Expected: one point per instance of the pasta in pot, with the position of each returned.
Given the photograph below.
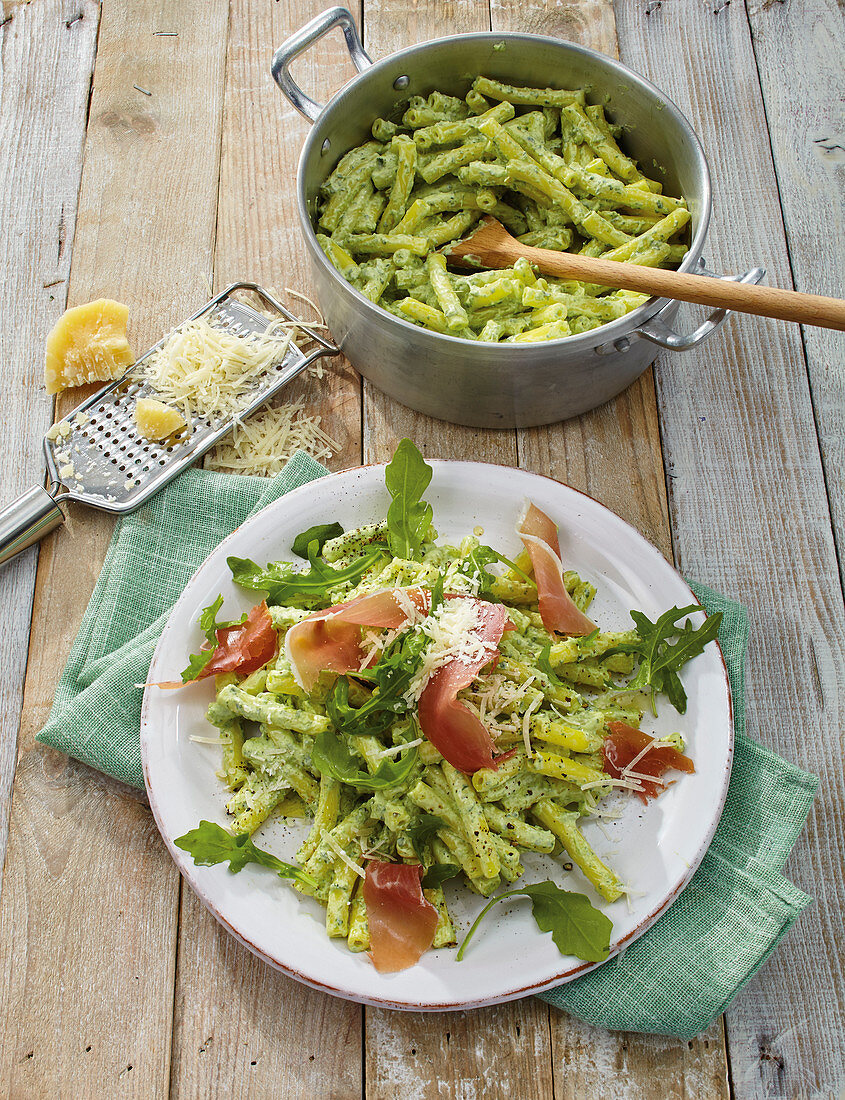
(542, 161)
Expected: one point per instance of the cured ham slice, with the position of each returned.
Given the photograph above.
(401, 921)
(557, 608)
(452, 728)
(628, 755)
(330, 640)
(246, 647)
(242, 648)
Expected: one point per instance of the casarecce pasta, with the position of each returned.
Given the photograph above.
(541, 160)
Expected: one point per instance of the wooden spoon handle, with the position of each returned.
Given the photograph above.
(766, 301)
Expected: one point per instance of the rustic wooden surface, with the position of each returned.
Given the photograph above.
(113, 979)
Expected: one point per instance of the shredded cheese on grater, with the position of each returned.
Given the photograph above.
(210, 372)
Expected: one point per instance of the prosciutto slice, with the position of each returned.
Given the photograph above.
(460, 736)
(401, 921)
(243, 648)
(330, 640)
(246, 647)
(557, 608)
(624, 745)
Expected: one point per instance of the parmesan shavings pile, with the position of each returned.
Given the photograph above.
(453, 638)
(496, 695)
(262, 444)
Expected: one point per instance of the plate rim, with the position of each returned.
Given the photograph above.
(186, 868)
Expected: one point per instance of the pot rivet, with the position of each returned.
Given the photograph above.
(324, 148)
(401, 82)
(622, 344)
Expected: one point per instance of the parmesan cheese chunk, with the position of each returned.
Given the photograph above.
(87, 344)
(156, 420)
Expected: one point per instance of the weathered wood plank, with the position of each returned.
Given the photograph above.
(503, 1050)
(271, 1038)
(807, 131)
(750, 517)
(243, 1029)
(88, 921)
(258, 234)
(41, 134)
(614, 454)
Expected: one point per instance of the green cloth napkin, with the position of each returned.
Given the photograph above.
(96, 713)
(673, 980)
(688, 967)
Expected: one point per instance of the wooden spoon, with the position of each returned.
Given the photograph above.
(490, 245)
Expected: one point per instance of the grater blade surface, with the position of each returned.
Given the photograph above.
(104, 461)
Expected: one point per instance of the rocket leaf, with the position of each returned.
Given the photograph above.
(210, 844)
(659, 659)
(407, 477)
(577, 927)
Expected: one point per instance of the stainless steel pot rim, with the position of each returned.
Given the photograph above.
(587, 341)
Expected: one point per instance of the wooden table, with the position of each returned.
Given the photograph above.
(144, 155)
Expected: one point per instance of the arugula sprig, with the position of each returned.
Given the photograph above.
(332, 757)
(577, 927)
(407, 477)
(209, 625)
(391, 677)
(320, 533)
(438, 873)
(284, 584)
(543, 661)
(210, 844)
(659, 659)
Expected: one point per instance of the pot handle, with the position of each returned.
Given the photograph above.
(300, 41)
(658, 332)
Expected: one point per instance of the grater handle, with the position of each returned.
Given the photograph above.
(27, 520)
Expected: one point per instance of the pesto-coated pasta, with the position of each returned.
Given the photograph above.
(460, 729)
(542, 161)
(530, 802)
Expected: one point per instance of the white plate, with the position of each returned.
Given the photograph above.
(655, 849)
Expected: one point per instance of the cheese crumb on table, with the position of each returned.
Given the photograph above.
(263, 444)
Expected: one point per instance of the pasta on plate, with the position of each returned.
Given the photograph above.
(437, 710)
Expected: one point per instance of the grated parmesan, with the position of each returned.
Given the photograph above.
(341, 855)
(452, 632)
(396, 749)
(629, 767)
(262, 444)
(639, 777)
(630, 784)
(210, 372)
(526, 729)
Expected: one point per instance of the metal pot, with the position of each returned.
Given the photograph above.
(463, 381)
